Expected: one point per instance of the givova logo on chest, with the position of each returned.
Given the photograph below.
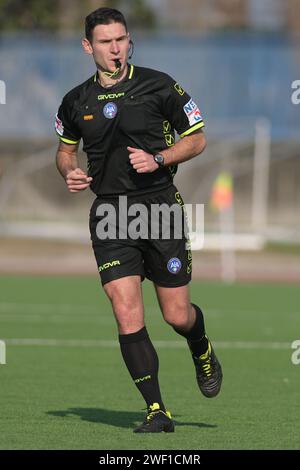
(111, 96)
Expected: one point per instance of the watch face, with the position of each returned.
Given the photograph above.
(159, 159)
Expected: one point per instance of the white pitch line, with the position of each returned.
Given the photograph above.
(72, 309)
(6, 307)
(160, 344)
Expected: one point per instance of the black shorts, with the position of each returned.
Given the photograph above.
(133, 246)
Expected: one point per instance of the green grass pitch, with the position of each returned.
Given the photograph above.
(75, 392)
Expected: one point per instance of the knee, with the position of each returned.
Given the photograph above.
(178, 316)
(127, 304)
(124, 307)
(128, 315)
(123, 304)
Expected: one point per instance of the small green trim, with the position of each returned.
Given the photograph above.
(68, 141)
(131, 72)
(192, 129)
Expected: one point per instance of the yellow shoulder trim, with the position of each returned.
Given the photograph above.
(68, 141)
(131, 72)
(192, 129)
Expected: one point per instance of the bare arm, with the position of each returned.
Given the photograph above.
(66, 158)
(187, 148)
(67, 164)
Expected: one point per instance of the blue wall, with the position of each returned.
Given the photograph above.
(235, 78)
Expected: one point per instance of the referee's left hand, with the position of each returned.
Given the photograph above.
(141, 161)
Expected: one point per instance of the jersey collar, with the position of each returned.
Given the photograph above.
(128, 76)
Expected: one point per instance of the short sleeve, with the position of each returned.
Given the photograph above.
(64, 124)
(181, 110)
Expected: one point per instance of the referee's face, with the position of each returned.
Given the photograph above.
(109, 42)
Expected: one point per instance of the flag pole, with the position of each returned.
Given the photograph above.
(222, 201)
(228, 255)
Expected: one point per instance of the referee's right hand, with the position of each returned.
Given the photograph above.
(77, 180)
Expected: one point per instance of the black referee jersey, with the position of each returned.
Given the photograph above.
(141, 111)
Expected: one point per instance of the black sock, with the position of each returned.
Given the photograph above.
(196, 338)
(142, 362)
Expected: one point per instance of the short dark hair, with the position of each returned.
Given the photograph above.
(102, 16)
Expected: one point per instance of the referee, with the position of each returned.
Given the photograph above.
(127, 117)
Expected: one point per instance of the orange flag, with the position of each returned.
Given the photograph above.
(222, 192)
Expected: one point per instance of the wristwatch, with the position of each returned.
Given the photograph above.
(159, 159)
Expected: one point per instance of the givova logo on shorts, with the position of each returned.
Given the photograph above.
(110, 264)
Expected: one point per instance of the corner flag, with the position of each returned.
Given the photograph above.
(222, 192)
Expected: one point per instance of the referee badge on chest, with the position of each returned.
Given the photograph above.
(110, 110)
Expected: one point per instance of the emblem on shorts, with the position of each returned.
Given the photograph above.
(174, 265)
(110, 110)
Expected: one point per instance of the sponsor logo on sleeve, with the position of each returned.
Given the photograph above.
(193, 112)
(59, 126)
